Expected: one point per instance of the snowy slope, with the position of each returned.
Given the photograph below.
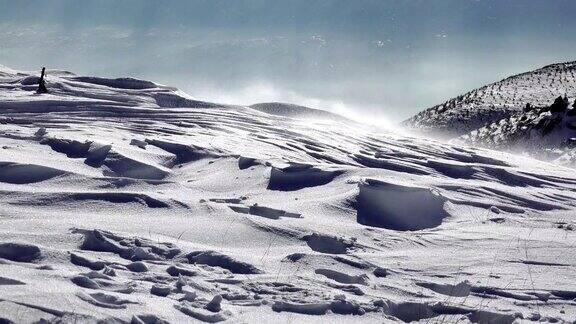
(130, 201)
(540, 132)
(496, 101)
(291, 110)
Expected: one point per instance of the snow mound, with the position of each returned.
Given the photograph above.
(297, 177)
(246, 162)
(134, 249)
(295, 111)
(120, 83)
(98, 155)
(328, 244)
(343, 277)
(26, 173)
(263, 211)
(184, 153)
(461, 289)
(175, 100)
(215, 259)
(19, 252)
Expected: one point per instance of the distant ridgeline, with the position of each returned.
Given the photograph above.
(528, 112)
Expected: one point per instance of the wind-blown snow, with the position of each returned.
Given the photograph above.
(125, 200)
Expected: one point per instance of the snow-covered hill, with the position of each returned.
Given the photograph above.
(128, 201)
(545, 132)
(497, 101)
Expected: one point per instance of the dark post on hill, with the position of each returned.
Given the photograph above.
(41, 83)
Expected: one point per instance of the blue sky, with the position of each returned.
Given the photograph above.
(373, 59)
